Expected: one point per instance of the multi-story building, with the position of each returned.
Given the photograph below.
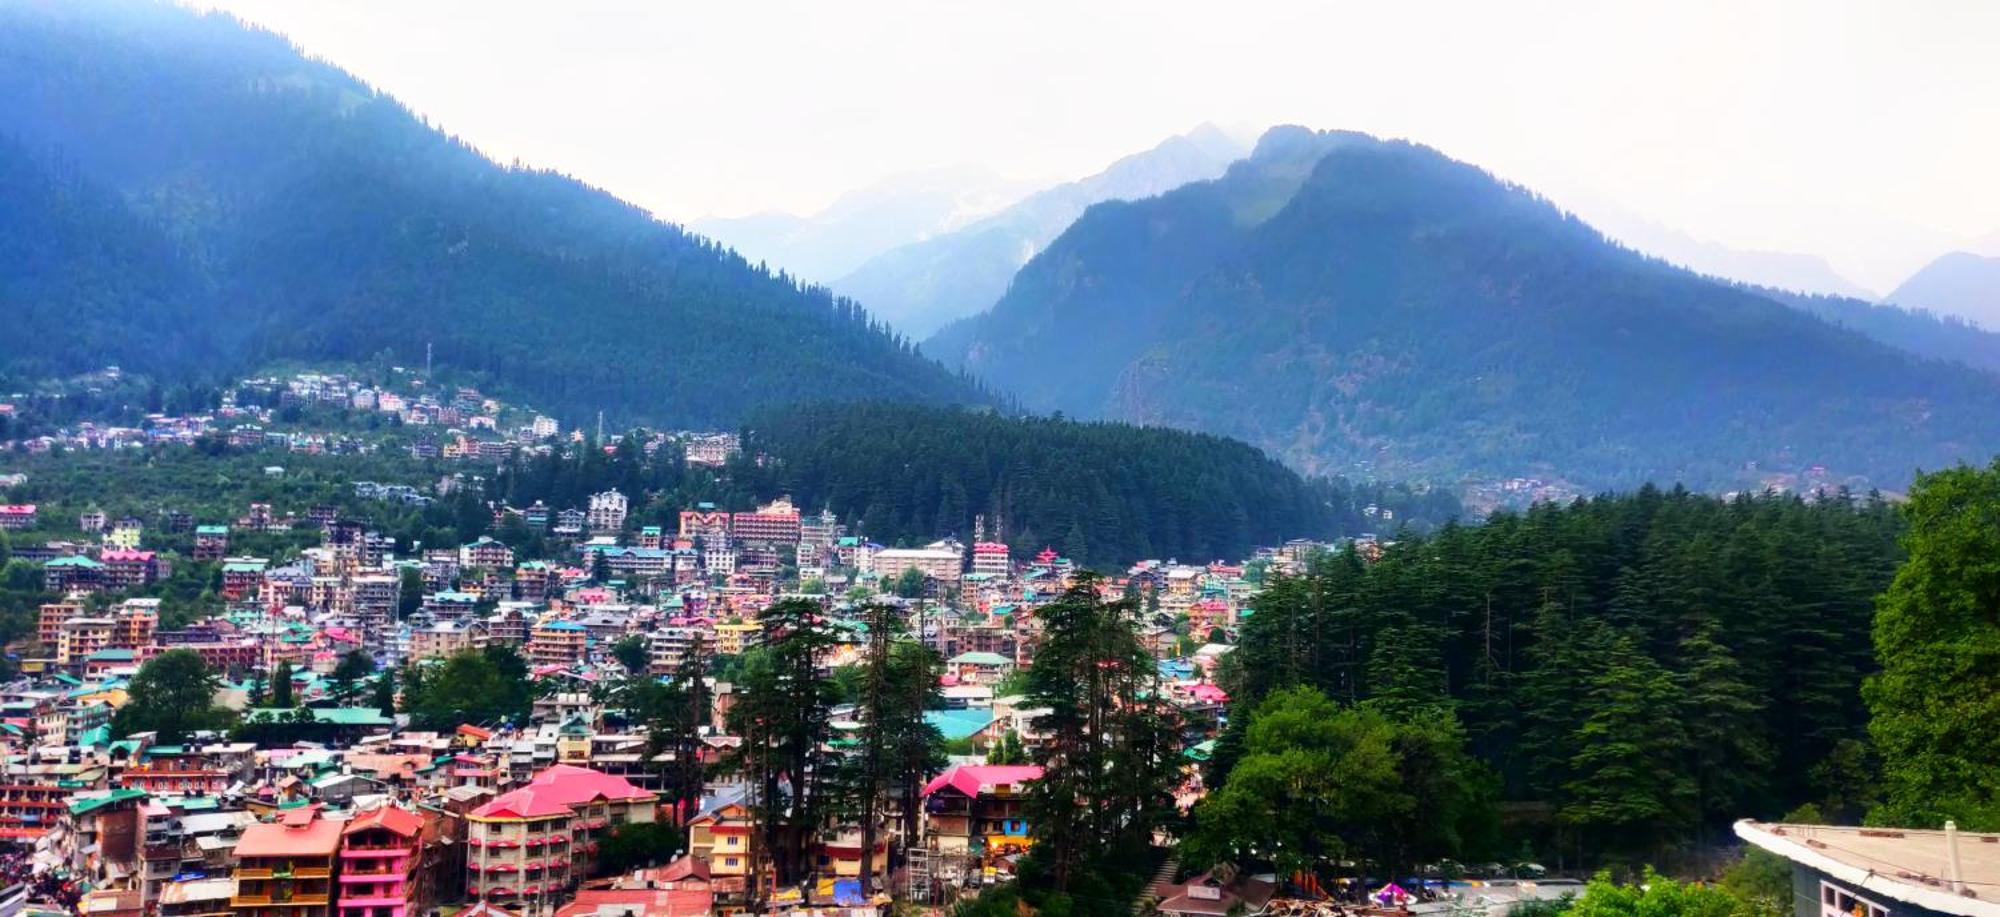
(486, 554)
(990, 557)
(774, 523)
(17, 516)
(445, 639)
(719, 834)
(134, 622)
(705, 523)
(381, 850)
(211, 542)
(667, 649)
(242, 577)
(80, 637)
(607, 513)
(532, 581)
(286, 869)
(558, 643)
(941, 561)
(75, 573)
(976, 810)
(53, 614)
(529, 847)
(130, 568)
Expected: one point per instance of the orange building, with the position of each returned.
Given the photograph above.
(286, 869)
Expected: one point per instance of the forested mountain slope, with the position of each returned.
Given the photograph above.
(924, 285)
(1359, 305)
(1101, 493)
(248, 204)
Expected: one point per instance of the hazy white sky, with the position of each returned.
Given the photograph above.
(1868, 133)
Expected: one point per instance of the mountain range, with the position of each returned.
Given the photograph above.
(1958, 283)
(863, 223)
(193, 198)
(1362, 306)
(923, 285)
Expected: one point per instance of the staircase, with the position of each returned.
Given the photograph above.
(1163, 876)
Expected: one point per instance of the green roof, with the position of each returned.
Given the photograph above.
(982, 659)
(211, 530)
(80, 806)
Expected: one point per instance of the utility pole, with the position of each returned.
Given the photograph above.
(427, 359)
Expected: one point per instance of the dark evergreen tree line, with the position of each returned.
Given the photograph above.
(1637, 670)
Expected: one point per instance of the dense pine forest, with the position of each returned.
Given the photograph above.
(194, 199)
(1101, 493)
(1634, 672)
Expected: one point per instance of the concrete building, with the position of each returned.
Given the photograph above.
(1884, 872)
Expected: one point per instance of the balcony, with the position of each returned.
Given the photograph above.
(312, 872)
(242, 900)
(248, 873)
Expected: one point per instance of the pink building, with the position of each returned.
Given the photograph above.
(379, 856)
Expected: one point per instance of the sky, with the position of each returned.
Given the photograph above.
(1866, 133)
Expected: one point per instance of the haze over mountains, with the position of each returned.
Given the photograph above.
(194, 199)
(1358, 305)
(866, 222)
(920, 286)
(1958, 283)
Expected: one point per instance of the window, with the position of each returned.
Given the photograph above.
(1835, 901)
(731, 861)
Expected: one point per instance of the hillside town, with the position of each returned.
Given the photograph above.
(327, 797)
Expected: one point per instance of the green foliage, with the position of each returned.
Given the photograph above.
(1658, 896)
(1318, 782)
(1111, 754)
(638, 844)
(1762, 881)
(782, 710)
(354, 665)
(1100, 493)
(632, 653)
(173, 695)
(1935, 706)
(1007, 750)
(1353, 303)
(281, 687)
(1643, 668)
(911, 584)
(474, 686)
(233, 224)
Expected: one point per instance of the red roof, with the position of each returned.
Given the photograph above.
(467, 729)
(647, 902)
(395, 818)
(558, 789)
(115, 555)
(968, 778)
(17, 509)
(318, 837)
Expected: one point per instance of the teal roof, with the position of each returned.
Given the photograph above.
(211, 530)
(329, 716)
(80, 806)
(981, 659)
(76, 560)
(958, 724)
(111, 656)
(94, 736)
(243, 566)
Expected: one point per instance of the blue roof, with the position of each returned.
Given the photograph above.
(958, 724)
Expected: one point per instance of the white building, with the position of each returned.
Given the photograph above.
(607, 513)
(941, 561)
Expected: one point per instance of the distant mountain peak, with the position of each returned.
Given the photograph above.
(1956, 283)
(1374, 307)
